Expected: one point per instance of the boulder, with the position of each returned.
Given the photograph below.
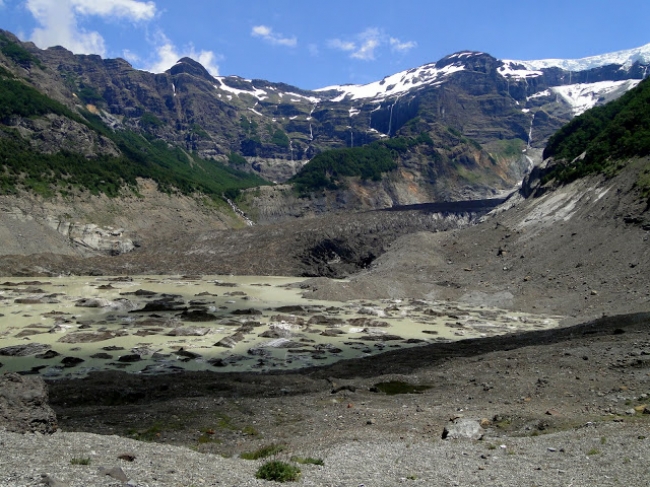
(462, 428)
(23, 405)
(24, 350)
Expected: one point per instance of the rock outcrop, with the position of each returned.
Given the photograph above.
(24, 405)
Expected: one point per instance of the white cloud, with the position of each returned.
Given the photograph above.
(130, 56)
(398, 46)
(58, 21)
(168, 55)
(368, 43)
(341, 45)
(266, 33)
(370, 39)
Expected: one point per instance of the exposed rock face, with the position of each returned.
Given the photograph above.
(111, 241)
(23, 405)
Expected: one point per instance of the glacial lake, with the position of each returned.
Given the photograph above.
(69, 326)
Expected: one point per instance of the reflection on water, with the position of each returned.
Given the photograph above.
(159, 324)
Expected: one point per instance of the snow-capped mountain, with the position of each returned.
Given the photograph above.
(496, 106)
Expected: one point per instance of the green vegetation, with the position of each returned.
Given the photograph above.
(80, 461)
(172, 168)
(607, 135)
(329, 168)
(308, 461)
(278, 471)
(593, 451)
(236, 159)
(18, 54)
(89, 95)
(397, 387)
(19, 99)
(279, 138)
(200, 132)
(150, 121)
(264, 452)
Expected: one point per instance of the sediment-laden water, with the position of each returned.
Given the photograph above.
(70, 326)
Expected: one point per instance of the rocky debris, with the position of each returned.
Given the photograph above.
(197, 316)
(189, 332)
(47, 355)
(71, 361)
(129, 358)
(187, 354)
(91, 336)
(247, 312)
(462, 428)
(24, 350)
(24, 405)
(230, 341)
(102, 356)
(163, 304)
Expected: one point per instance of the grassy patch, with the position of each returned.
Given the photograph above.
(278, 471)
(308, 461)
(593, 451)
(264, 452)
(80, 461)
(397, 387)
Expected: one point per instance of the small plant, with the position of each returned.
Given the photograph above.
(264, 452)
(250, 431)
(593, 451)
(308, 461)
(80, 461)
(278, 471)
(603, 440)
(492, 447)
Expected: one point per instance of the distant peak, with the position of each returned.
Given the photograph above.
(189, 66)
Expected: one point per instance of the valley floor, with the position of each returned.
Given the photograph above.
(559, 407)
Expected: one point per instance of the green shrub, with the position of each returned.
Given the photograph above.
(278, 471)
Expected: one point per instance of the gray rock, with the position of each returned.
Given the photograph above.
(462, 428)
(24, 350)
(52, 482)
(23, 405)
(116, 472)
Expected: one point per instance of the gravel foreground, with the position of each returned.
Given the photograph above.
(594, 454)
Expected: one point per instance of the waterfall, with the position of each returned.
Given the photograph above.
(311, 133)
(530, 132)
(239, 212)
(390, 120)
(351, 138)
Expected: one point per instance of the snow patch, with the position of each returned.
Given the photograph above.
(511, 70)
(625, 58)
(396, 84)
(583, 96)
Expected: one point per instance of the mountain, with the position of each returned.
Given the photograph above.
(481, 122)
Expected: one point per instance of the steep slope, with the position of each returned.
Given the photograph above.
(274, 128)
(575, 241)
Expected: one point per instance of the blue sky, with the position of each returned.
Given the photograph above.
(313, 44)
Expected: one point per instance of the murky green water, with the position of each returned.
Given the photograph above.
(158, 324)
